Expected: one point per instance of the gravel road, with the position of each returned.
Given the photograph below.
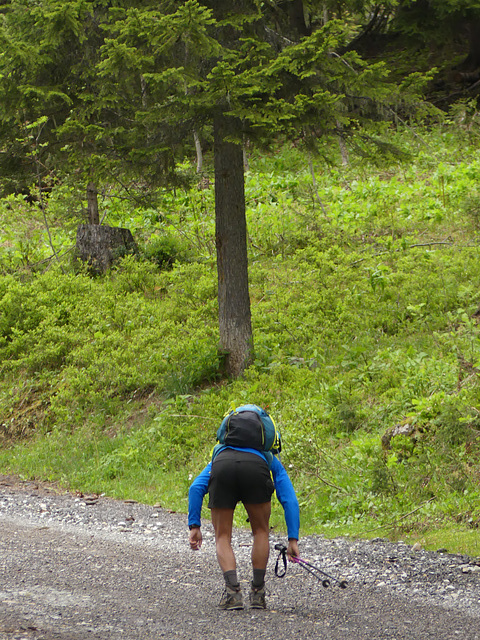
(75, 567)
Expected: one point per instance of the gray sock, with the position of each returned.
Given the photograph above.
(231, 579)
(258, 578)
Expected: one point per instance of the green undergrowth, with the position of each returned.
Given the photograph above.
(364, 288)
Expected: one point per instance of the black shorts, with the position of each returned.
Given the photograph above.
(238, 476)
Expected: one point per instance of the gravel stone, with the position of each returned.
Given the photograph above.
(75, 567)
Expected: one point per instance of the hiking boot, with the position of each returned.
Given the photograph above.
(257, 597)
(231, 599)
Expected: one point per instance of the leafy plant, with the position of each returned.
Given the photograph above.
(364, 319)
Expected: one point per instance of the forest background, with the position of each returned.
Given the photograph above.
(360, 167)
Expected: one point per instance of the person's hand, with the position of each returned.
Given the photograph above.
(195, 538)
(292, 549)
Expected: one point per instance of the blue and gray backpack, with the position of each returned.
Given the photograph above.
(249, 427)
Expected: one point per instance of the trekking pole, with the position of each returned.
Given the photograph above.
(315, 571)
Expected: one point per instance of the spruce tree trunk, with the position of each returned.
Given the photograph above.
(297, 17)
(473, 59)
(231, 243)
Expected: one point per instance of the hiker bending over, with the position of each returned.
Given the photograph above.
(244, 468)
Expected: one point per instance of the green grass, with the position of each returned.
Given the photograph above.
(364, 317)
(452, 538)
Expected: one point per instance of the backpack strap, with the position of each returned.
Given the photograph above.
(217, 449)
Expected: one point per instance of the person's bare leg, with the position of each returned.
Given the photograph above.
(222, 520)
(259, 516)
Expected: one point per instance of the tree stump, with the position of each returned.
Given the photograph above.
(99, 245)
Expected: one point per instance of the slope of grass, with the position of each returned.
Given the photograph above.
(364, 292)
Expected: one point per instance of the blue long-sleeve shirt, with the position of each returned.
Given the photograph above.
(283, 488)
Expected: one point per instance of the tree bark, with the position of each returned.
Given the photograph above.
(473, 59)
(231, 243)
(296, 14)
(92, 204)
(198, 149)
